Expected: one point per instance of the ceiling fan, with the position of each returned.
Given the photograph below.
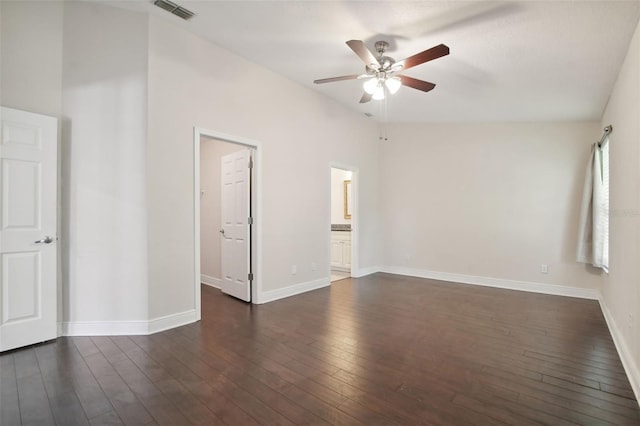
(382, 72)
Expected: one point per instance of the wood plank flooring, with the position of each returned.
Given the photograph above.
(379, 350)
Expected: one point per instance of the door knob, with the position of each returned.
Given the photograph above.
(222, 231)
(45, 240)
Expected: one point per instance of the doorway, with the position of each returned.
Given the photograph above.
(342, 215)
(215, 156)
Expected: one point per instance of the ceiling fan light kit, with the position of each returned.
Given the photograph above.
(376, 87)
(393, 84)
(370, 86)
(383, 72)
(379, 92)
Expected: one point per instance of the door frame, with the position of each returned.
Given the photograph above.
(256, 200)
(355, 216)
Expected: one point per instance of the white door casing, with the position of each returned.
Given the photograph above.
(235, 212)
(28, 224)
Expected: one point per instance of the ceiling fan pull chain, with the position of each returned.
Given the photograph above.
(386, 120)
(382, 127)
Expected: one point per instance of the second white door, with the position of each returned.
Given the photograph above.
(236, 217)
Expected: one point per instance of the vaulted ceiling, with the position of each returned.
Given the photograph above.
(509, 61)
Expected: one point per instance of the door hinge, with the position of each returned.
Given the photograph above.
(250, 221)
(251, 162)
(250, 276)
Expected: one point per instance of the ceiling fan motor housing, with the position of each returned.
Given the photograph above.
(381, 46)
(386, 62)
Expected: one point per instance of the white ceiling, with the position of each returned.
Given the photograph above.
(509, 61)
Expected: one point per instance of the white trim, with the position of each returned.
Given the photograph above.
(210, 281)
(171, 321)
(196, 222)
(626, 356)
(558, 290)
(119, 328)
(292, 290)
(105, 328)
(256, 291)
(358, 273)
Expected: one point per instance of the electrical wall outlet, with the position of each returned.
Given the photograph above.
(544, 268)
(294, 269)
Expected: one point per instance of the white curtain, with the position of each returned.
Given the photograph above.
(593, 234)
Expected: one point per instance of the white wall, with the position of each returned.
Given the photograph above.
(31, 63)
(211, 153)
(104, 89)
(621, 289)
(486, 200)
(127, 232)
(338, 176)
(31, 56)
(193, 82)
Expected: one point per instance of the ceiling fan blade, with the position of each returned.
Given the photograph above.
(344, 77)
(365, 54)
(365, 98)
(414, 83)
(425, 56)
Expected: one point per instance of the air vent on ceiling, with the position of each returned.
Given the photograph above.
(170, 6)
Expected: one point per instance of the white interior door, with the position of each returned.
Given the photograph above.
(236, 211)
(28, 222)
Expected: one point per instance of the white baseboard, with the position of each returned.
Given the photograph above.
(630, 366)
(172, 321)
(292, 290)
(104, 328)
(119, 328)
(361, 272)
(210, 281)
(558, 290)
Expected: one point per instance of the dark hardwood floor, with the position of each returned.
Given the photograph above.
(378, 350)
